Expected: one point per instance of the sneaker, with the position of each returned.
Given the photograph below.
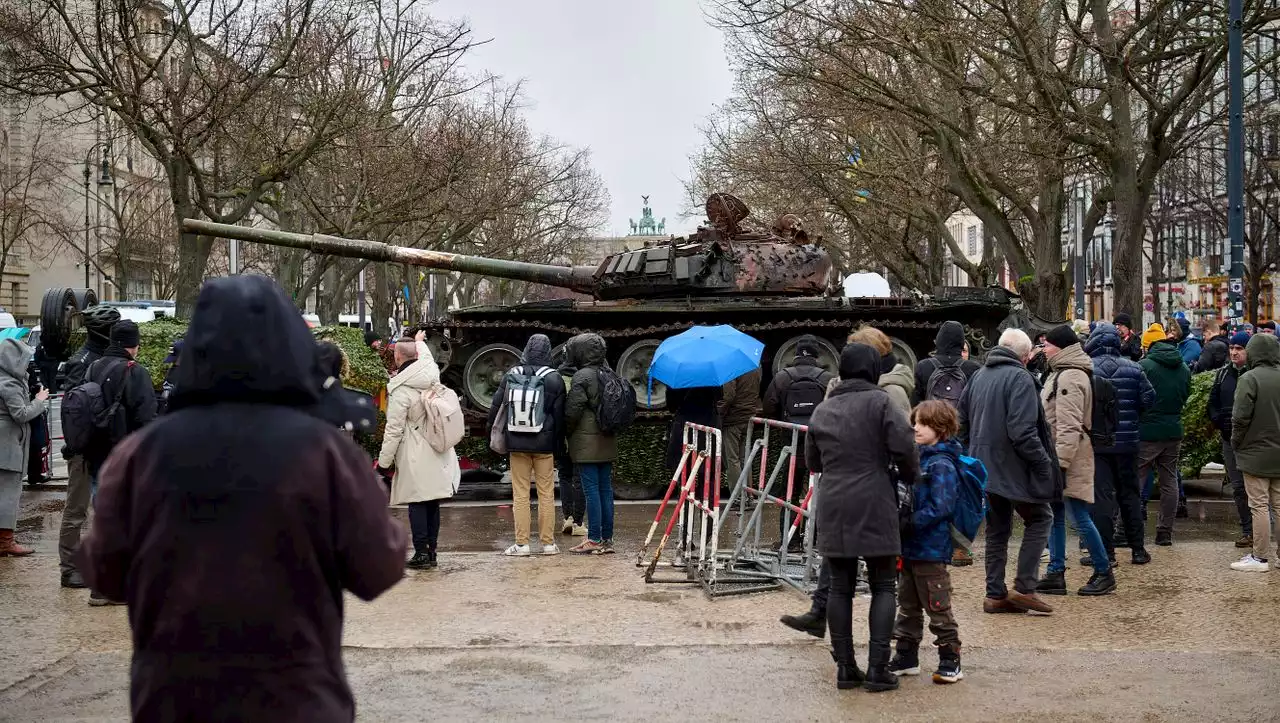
(1053, 583)
(961, 558)
(1099, 584)
(97, 600)
(579, 531)
(567, 527)
(905, 662)
(1245, 542)
(1164, 538)
(517, 551)
(948, 668)
(607, 547)
(1249, 563)
(813, 623)
(588, 547)
(551, 549)
(1141, 556)
(420, 561)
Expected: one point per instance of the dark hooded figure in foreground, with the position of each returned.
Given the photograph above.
(233, 525)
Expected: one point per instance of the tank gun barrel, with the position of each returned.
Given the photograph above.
(577, 278)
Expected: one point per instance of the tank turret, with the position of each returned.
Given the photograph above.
(719, 259)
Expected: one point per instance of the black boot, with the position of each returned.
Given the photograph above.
(813, 622)
(1141, 556)
(419, 561)
(848, 675)
(1099, 584)
(431, 558)
(1053, 583)
(879, 679)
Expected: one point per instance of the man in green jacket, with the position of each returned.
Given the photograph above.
(1161, 429)
(739, 402)
(1255, 434)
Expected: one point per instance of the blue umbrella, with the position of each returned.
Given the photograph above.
(705, 356)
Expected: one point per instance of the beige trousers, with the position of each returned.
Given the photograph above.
(539, 467)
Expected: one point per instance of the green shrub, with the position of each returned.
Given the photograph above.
(1201, 443)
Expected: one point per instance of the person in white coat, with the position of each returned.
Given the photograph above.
(423, 476)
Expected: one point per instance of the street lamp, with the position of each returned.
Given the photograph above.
(104, 179)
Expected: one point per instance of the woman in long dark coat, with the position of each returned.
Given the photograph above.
(854, 437)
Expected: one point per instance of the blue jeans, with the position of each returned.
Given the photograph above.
(597, 487)
(1079, 511)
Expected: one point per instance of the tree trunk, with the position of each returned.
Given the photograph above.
(193, 249)
(380, 300)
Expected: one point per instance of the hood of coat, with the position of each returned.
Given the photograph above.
(585, 350)
(1104, 340)
(246, 343)
(537, 351)
(421, 374)
(946, 446)
(901, 376)
(1263, 350)
(950, 339)
(1072, 357)
(14, 356)
(1165, 354)
(1002, 356)
(859, 361)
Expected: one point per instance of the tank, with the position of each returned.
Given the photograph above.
(775, 284)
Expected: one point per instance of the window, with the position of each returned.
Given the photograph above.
(138, 286)
(13, 294)
(973, 240)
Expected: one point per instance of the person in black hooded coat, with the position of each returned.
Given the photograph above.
(948, 345)
(232, 525)
(854, 436)
(695, 404)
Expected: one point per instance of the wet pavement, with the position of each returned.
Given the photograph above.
(486, 638)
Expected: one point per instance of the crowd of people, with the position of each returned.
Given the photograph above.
(247, 448)
(1067, 429)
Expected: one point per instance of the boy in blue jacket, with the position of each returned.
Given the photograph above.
(925, 582)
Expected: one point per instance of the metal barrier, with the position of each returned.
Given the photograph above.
(746, 564)
(701, 458)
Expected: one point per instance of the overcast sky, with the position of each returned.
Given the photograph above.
(630, 80)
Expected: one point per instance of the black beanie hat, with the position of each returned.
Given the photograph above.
(125, 334)
(1062, 336)
(1123, 318)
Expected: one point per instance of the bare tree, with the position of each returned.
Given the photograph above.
(206, 87)
(31, 205)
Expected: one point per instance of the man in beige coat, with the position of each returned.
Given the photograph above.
(423, 476)
(1068, 407)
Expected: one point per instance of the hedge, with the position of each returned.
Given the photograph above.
(1201, 443)
(365, 371)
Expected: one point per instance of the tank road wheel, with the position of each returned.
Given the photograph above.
(58, 319)
(828, 355)
(902, 350)
(85, 298)
(441, 349)
(484, 371)
(633, 366)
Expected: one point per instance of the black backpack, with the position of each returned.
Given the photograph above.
(86, 414)
(617, 409)
(803, 395)
(1105, 413)
(947, 383)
